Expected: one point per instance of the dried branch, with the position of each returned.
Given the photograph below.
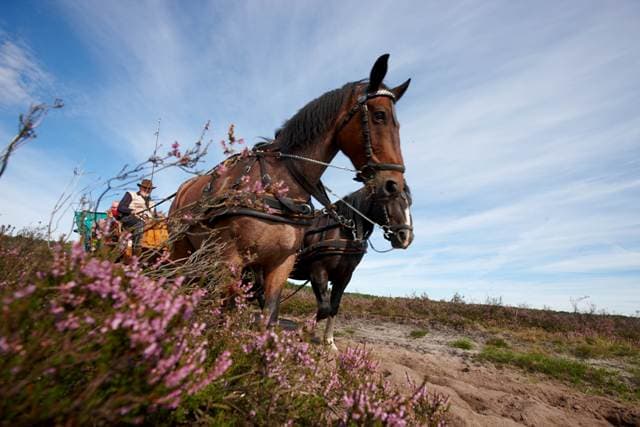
(186, 161)
(27, 129)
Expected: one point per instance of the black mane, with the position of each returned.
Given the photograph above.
(358, 199)
(313, 119)
(362, 201)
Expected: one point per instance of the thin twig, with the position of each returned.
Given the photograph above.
(27, 129)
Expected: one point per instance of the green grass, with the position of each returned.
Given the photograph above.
(603, 349)
(589, 378)
(418, 333)
(463, 343)
(497, 342)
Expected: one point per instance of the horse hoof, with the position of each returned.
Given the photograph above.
(331, 344)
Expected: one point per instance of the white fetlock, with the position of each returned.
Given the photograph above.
(331, 344)
(328, 334)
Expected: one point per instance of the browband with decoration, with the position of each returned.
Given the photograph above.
(379, 92)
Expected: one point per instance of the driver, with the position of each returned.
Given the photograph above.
(134, 210)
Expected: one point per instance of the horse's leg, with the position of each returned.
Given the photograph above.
(274, 280)
(181, 249)
(320, 284)
(319, 279)
(328, 333)
(255, 274)
(337, 290)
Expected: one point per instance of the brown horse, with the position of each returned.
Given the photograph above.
(334, 245)
(296, 159)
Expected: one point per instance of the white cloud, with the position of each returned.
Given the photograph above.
(21, 76)
(618, 260)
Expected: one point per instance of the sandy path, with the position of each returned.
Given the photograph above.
(481, 394)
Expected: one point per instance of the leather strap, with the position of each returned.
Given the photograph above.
(256, 214)
(318, 191)
(334, 247)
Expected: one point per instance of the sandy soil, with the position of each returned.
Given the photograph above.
(481, 394)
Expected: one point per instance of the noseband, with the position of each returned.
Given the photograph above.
(368, 171)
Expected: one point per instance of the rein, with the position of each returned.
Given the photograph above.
(295, 292)
(377, 250)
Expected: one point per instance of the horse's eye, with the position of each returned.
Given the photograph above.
(379, 116)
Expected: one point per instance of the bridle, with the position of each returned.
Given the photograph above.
(365, 174)
(368, 171)
(388, 229)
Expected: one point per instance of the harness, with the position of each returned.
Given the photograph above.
(356, 246)
(272, 207)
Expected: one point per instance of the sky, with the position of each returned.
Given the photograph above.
(520, 130)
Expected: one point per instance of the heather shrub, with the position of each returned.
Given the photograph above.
(278, 378)
(85, 340)
(368, 399)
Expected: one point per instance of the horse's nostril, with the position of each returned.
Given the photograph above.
(402, 234)
(391, 187)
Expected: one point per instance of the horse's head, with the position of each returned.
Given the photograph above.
(369, 134)
(393, 213)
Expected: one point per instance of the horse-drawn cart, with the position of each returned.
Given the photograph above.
(85, 224)
(155, 236)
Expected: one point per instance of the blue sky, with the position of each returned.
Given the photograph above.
(520, 131)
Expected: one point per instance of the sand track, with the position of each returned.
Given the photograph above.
(481, 394)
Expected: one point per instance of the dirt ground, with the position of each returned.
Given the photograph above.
(480, 393)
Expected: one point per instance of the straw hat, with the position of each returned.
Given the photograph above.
(146, 184)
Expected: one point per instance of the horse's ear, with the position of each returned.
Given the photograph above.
(378, 72)
(400, 90)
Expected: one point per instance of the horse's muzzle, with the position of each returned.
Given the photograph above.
(400, 236)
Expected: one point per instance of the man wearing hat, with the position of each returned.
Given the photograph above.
(134, 209)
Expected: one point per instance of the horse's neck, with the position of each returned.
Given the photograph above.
(324, 151)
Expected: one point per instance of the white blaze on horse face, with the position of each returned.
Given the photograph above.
(409, 223)
(407, 217)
